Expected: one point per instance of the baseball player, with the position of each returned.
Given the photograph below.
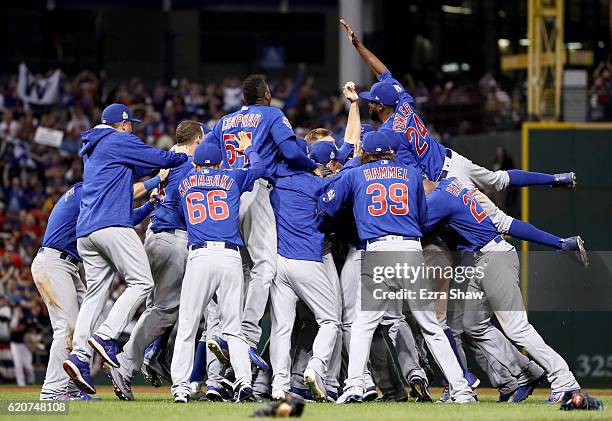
(274, 140)
(301, 274)
(453, 202)
(390, 104)
(166, 248)
(210, 200)
(107, 242)
(389, 205)
(56, 275)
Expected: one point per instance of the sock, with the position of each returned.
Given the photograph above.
(526, 231)
(519, 178)
(453, 344)
(199, 365)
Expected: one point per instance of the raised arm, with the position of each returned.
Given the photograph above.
(376, 66)
(352, 134)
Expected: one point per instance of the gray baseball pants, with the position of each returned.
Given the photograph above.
(106, 252)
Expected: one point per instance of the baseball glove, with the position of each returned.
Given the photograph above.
(579, 400)
(292, 406)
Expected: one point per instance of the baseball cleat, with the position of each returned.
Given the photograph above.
(156, 373)
(181, 398)
(121, 385)
(523, 392)
(78, 396)
(215, 394)
(505, 397)
(418, 389)
(245, 394)
(278, 395)
(576, 245)
(465, 400)
(353, 394)
(556, 397)
(445, 397)
(256, 359)
(107, 348)
(392, 397)
(332, 396)
(195, 392)
(370, 394)
(565, 180)
(471, 379)
(305, 394)
(218, 346)
(79, 372)
(316, 385)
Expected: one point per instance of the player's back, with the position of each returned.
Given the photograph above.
(60, 233)
(167, 213)
(294, 201)
(388, 199)
(210, 201)
(267, 126)
(464, 213)
(416, 145)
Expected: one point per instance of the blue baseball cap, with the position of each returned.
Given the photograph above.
(382, 93)
(117, 113)
(323, 151)
(365, 128)
(378, 141)
(207, 153)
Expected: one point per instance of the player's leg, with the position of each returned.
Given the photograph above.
(55, 280)
(333, 371)
(407, 353)
(504, 294)
(197, 290)
(315, 289)
(230, 295)
(167, 254)
(258, 229)
(123, 248)
(283, 302)
(349, 284)
(484, 178)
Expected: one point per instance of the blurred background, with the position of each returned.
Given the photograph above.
(465, 62)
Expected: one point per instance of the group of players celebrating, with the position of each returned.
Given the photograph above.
(250, 189)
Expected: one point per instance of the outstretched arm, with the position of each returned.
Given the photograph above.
(352, 134)
(376, 66)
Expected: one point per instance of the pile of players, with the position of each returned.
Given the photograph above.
(291, 211)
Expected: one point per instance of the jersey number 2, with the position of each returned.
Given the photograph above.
(468, 198)
(393, 199)
(197, 206)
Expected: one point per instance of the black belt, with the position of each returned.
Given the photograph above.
(168, 230)
(444, 173)
(375, 240)
(205, 244)
(63, 255)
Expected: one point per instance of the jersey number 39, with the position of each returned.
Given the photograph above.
(213, 206)
(393, 199)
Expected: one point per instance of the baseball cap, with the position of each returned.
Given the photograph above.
(382, 93)
(116, 113)
(378, 141)
(207, 153)
(323, 151)
(365, 128)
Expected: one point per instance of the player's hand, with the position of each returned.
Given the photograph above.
(154, 197)
(163, 174)
(180, 149)
(349, 92)
(351, 34)
(244, 141)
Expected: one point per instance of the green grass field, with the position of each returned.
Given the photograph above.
(157, 405)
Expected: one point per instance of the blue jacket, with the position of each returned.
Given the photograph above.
(112, 160)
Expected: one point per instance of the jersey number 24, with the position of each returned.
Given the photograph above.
(393, 199)
(212, 205)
